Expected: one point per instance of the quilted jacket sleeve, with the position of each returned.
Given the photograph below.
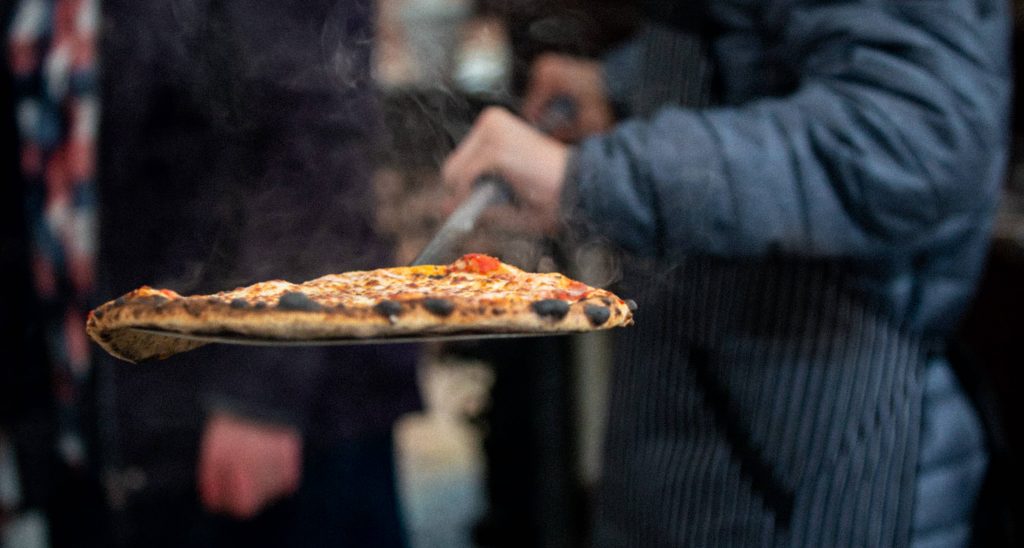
(893, 141)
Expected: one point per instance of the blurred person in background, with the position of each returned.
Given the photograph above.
(201, 146)
(806, 190)
(48, 200)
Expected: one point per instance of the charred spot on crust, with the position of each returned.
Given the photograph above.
(551, 308)
(120, 300)
(297, 300)
(388, 309)
(239, 302)
(98, 314)
(597, 314)
(497, 311)
(606, 301)
(212, 300)
(631, 304)
(437, 276)
(260, 305)
(152, 300)
(439, 307)
(193, 307)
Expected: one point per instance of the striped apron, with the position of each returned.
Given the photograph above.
(769, 403)
(759, 404)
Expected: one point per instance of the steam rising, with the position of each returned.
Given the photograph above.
(283, 188)
(598, 264)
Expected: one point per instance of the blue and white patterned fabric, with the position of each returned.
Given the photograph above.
(53, 60)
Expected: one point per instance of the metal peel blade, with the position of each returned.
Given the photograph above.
(488, 192)
(233, 338)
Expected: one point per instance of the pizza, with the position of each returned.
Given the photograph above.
(475, 295)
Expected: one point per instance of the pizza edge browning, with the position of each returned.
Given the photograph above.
(438, 314)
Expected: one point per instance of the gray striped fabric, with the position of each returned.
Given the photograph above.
(676, 71)
(756, 405)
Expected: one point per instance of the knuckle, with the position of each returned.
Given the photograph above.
(492, 115)
(449, 176)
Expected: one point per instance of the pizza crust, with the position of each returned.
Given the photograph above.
(396, 302)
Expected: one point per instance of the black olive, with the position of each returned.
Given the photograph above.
(260, 305)
(297, 300)
(552, 308)
(631, 304)
(439, 307)
(239, 303)
(388, 309)
(597, 314)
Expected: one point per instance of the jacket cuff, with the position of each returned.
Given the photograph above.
(214, 403)
(266, 384)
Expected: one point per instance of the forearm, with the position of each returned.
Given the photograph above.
(885, 154)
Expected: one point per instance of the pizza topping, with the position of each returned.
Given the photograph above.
(439, 307)
(297, 300)
(578, 288)
(597, 314)
(631, 304)
(477, 263)
(388, 309)
(260, 305)
(551, 308)
(239, 302)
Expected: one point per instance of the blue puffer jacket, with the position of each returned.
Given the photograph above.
(872, 135)
(874, 132)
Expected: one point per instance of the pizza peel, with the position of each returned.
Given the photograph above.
(248, 340)
(488, 191)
